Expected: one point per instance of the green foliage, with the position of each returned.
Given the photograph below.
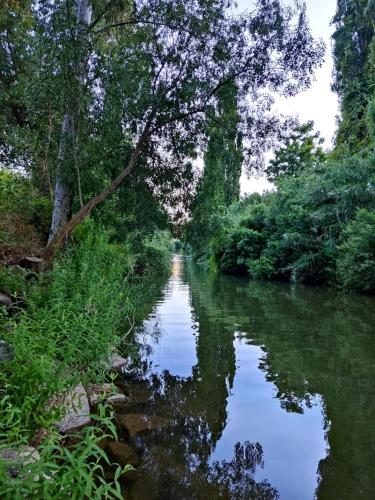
(15, 21)
(156, 253)
(24, 215)
(354, 70)
(301, 149)
(356, 259)
(13, 281)
(240, 245)
(261, 269)
(75, 314)
(65, 331)
(70, 326)
(295, 233)
(219, 185)
(179, 67)
(19, 196)
(76, 471)
(151, 252)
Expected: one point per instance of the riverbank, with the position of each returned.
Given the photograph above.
(61, 333)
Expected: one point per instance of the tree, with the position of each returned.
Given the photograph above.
(15, 21)
(371, 103)
(356, 261)
(354, 34)
(62, 192)
(224, 150)
(170, 59)
(219, 184)
(301, 149)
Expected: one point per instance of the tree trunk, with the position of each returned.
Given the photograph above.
(65, 231)
(62, 193)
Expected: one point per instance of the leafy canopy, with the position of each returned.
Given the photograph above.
(301, 149)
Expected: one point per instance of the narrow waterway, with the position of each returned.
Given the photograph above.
(261, 390)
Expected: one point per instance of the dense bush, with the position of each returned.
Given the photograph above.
(24, 216)
(302, 232)
(152, 252)
(239, 245)
(69, 325)
(19, 196)
(356, 260)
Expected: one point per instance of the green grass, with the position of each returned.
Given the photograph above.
(75, 314)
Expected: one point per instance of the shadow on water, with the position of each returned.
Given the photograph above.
(263, 391)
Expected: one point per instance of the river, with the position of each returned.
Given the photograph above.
(267, 391)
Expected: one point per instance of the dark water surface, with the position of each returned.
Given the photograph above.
(267, 391)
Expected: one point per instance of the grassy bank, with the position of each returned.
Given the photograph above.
(70, 319)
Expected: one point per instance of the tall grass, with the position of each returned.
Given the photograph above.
(80, 309)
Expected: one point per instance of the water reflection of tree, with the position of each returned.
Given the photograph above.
(176, 461)
(227, 480)
(176, 458)
(315, 342)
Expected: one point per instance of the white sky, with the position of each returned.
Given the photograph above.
(318, 103)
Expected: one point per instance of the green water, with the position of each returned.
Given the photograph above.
(268, 391)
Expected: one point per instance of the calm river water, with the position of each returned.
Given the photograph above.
(267, 391)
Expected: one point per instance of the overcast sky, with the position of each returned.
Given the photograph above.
(318, 103)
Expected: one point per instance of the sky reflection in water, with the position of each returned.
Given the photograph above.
(259, 364)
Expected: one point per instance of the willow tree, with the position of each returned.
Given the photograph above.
(219, 183)
(171, 59)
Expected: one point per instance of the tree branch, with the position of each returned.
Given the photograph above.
(139, 21)
(86, 209)
(100, 16)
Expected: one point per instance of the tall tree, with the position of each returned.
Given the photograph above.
(301, 148)
(224, 149)
(219, 184)
(371, 104)
(170, 59)
(62, 192)
(15, 21)
(353, 37)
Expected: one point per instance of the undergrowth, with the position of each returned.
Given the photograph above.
(75, 314)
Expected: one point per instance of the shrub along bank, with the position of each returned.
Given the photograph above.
(75, 313)
(316, 228)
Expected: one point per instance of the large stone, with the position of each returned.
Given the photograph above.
(104, 388)
(24, 455)
(5, 300)
(136, 423)
(98, 392)
(116, 362)
(33, 263)
(15, 458)
(117, 400)
(6, 351)
(106, 393)
(77, 411)
(122, 453)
